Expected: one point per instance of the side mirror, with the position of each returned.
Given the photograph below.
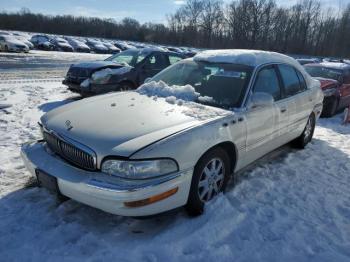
(260, 99)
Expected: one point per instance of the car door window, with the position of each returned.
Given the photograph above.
(267, 82)
(174, 58)
(290, 80)
(303, 85)
(155, 62)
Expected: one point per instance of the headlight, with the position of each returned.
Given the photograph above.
(100, 79)
(85, 84)
(139, 169)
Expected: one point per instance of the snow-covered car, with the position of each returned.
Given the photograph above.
(61, 44)
(97, 46)
(335, 83)
(123, 71)
(78, 46)
(9, 43)
(177, 139)
(42, 42)
(112, 49)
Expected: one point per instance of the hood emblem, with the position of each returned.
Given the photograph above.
(68, 125)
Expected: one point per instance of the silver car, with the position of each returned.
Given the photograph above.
(179, 138)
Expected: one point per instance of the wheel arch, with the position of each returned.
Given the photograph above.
(231, 150)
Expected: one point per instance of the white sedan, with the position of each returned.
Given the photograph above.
(9, 43)
(179, 138)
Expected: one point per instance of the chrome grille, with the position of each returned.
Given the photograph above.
(70, 152)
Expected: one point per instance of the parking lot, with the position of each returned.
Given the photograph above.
(292, 205)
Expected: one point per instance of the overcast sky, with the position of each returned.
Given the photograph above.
(142, 10)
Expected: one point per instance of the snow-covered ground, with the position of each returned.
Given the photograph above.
(291, 206)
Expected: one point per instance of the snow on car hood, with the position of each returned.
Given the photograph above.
(110, 71)
(121, 123)
(95, 64)
(14, 41)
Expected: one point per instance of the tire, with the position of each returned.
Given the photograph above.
(125, 86)
(6, 49)
(307, 134)
(330, 107)
(199, 185)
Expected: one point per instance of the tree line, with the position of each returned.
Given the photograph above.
(304, 28)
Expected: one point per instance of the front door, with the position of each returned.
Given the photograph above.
(262, 122)
(152, 65)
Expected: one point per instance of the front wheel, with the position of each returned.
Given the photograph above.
(125, 86)
(307, 134)
(330, 107)
(210, 177)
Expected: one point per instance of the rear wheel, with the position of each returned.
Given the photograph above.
(330, 107)
(307, 134)
(210, 177)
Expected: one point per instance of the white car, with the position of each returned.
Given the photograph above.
(9, 43)
(177, 139)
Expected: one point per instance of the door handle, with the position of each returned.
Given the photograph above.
(283, 110)
(240, 119)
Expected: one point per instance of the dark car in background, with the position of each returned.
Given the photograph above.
(42, 42)
(61, 44)
(123, 71)
(335, 84)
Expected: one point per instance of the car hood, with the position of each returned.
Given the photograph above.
(326, 82)
(124, 122)
(15, 42)
(96, 65)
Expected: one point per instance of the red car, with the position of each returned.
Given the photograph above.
(335, 83)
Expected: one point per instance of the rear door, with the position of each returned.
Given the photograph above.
(297, 102)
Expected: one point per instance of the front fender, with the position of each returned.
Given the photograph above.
(188, 146)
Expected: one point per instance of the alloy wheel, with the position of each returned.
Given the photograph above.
(211, 179)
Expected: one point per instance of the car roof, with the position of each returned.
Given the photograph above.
(244, 57)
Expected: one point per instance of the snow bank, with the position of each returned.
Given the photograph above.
(110, 71)
(161, 89)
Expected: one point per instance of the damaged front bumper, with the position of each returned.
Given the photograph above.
(105, 192)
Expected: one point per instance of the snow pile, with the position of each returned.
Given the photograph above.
(161, 89)
(110, 71)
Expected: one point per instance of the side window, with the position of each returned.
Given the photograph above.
(267, 82)
(290, 80)
(173, 59)
(155, 62)
(301, 80)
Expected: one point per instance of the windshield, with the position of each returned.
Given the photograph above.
(224, 84)
(130, 57)
(319, 71)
